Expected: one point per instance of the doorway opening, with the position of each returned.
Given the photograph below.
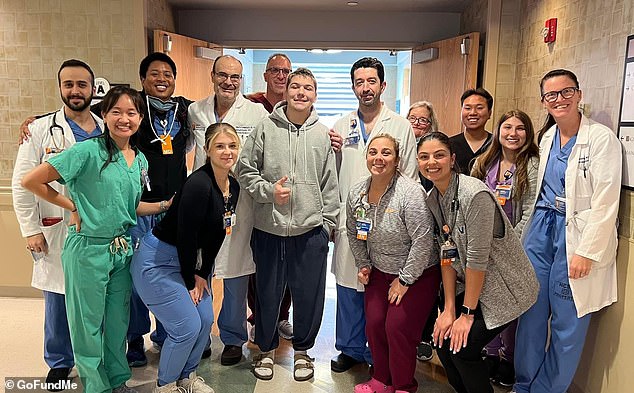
(332, 71)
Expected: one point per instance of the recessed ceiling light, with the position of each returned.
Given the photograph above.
(353, 3)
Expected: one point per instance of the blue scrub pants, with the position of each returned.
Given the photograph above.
(58, 351)
(157, 276)
(539, 369)
(139, 315)
(232, 320)
(350, 329)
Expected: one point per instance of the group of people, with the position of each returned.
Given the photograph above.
(473, 244)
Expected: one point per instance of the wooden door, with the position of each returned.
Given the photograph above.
(443, 80)
(193, 74)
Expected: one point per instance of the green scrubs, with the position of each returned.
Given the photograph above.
(96, 260)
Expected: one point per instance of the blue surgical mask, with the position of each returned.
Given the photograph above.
(159, 105)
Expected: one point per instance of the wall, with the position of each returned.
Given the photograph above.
(35, 38)
(591, 40)
(159, 15)
(289, 29)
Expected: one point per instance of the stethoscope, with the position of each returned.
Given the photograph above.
(51, 131)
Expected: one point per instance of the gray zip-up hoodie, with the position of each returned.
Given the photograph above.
(277, 148)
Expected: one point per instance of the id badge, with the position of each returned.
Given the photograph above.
(448, 253)
(503, 193)
(560, 203)
(352, 139)
(364, 225)
(166, 144)
(229, 220)
(145, 179)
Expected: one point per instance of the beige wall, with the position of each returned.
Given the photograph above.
(35, 37)
(591, 38)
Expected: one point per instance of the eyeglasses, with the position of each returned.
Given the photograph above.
(566, 93)
(275, 71)
(222, 76)
(419, 120)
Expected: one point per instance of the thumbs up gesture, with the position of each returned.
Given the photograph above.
(280, 193)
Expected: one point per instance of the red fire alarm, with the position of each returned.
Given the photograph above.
(550, 30)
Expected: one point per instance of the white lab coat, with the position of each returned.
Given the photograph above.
(30, 209)
(234, 258)
(352, 168)
(592, 204)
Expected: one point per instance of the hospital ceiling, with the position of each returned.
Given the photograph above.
(325, 5)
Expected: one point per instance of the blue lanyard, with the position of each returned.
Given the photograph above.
(362, 126)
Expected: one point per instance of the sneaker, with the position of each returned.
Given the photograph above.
(505, 375)
(136, 353)
(55, 378)
(373, 386)
(194, 384)
(424, 351)
(252, 334)
(123, 388)
(285, 329)
(206, 353)
(169, 388)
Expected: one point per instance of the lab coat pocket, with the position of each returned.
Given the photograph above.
(55, 236)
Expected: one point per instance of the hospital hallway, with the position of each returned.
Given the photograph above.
(21, 352)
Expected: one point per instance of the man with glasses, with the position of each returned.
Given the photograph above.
(278, 66)
(477, 105)
(354, 131)
(234, 262)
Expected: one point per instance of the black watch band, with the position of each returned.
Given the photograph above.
(466, 310)
(403, 283)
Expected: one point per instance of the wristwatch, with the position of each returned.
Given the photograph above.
(466, 310)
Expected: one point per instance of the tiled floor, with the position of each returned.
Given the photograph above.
(21, 355)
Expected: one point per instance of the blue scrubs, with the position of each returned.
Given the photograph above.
(350, 332)
(156, 274)
(232, 322)
(58, 352)
(139, 315)
(550, 370)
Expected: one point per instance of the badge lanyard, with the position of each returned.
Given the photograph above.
(166, 138)
(503, 191)
(448, 250)
(353, 136)
(362, 126)
(229, 217)
(363, 223)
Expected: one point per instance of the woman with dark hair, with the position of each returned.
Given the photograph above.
(389, 229)
(487, 279)
(509, 168)
(571, 237)
(104, 177)
(164, 268)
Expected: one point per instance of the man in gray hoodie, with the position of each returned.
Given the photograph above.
(287, 165)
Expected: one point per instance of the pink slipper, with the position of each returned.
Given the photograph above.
(373, 386)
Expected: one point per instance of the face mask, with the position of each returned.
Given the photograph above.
(161, 106)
